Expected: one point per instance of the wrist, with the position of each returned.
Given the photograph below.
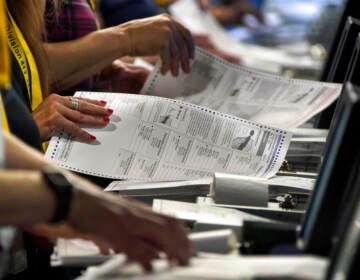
(62, 190)
(121, 40)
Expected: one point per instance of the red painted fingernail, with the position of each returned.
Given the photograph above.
(103, 102)
(92, 137)
(106, 119)
(110, 111)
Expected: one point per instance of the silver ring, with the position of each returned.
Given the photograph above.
(74, 103)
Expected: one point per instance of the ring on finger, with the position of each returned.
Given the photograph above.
(74, 103)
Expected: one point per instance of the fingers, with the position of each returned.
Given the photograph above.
(177, 47)
(70, 127)
(188, 38)
(169, 237)
(185, 45)
(182, 53)
(171, 52)
(166, 59)
(163, 234)
(177, 52)
(57, 113)
(93, 101)
(180, 249)
(90, 107)
(142, 252)
(81, 117)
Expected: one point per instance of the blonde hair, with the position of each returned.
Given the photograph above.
(30, 19)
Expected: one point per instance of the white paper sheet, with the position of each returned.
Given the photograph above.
(300, 183)
(216, 267)
(265, 98)
(141, 185)
(76, 252)
(309, 132)
(262, 58)
(161, 139)
(79, 252)
(203, 213)
(193, 188)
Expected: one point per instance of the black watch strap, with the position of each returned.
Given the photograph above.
(63, 191)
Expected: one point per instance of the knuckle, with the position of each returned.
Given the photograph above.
(54, 115)
(50, 99)
(81, 117)
(73, 129)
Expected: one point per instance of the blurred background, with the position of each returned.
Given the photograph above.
(291, 21)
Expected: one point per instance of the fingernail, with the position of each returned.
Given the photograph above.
(92, 137)
(103, 102)
(110, 111)
(106, 119)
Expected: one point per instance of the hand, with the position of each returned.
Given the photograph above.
(55, 114)
(233, 13)
(160, 35)
(125, 77)
(203, 4)
(122, 225)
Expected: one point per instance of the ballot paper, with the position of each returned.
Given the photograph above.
(79, 252)
(201, 212)
(221, 188)
(142, 188)
(260, 97)
(163, 139)
(214, 217)
(309, 132)
(262, 58)
(145, 191)
(215, 267)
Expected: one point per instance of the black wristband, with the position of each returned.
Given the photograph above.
(63, 191)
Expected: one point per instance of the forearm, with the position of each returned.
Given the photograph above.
(18, 155)
(24, 198)
(73, 61)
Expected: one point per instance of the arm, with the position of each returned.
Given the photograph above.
(70, 62)
(110, 221)
(20, 194)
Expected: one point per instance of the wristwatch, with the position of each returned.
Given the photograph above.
(63, 190)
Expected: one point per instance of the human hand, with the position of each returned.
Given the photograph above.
(160, 35)
(203, 4)
(234, 13)
(55, 114)
(122, 225)
(125, 77)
